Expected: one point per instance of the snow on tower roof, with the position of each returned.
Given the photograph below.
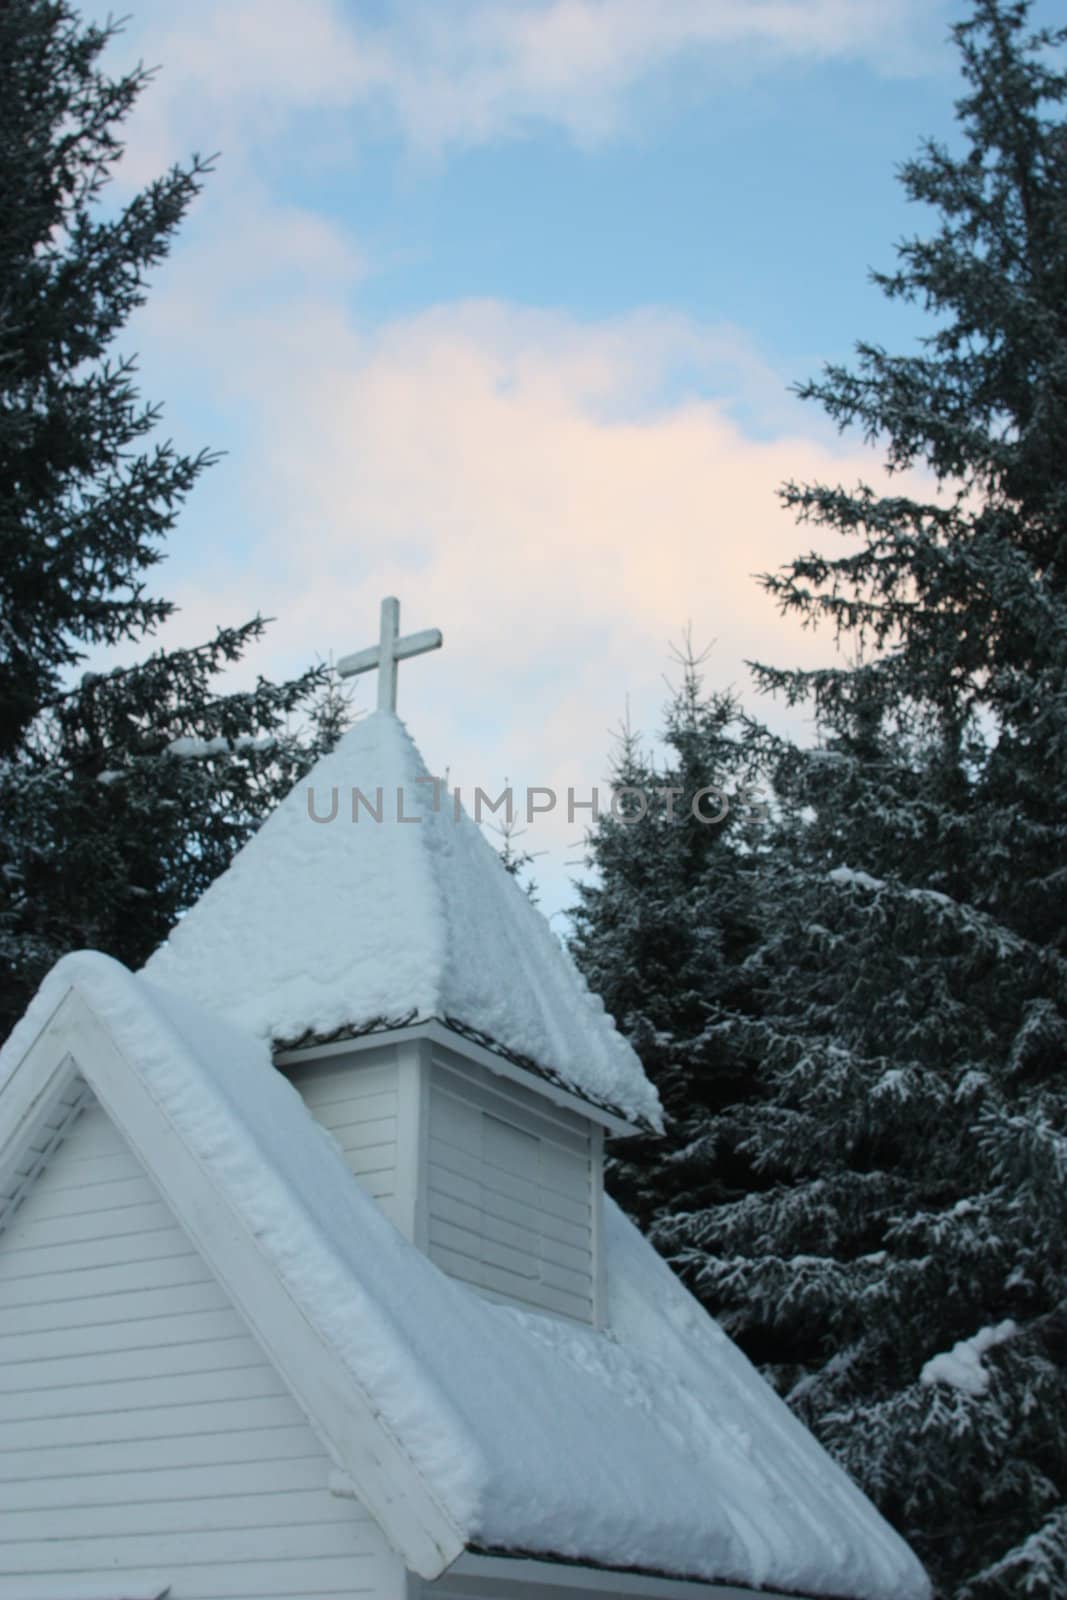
(321, 926)
(654, 1445)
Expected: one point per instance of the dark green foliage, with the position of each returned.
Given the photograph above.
(133, 793)
(663, 937)
(105, 833)
(516, 859)
(82, 514)
(904, 1006)
(917, 1061)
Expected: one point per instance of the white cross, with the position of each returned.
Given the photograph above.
(387, 652)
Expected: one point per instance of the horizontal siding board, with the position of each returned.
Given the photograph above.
(176, 1287)
(356, 1102)
(24, 1301)
(566, 1172)
(381, 1186)
(451, 1124)
(70, 1200)
(83, 1172)
(457, 1186)
(348, 1088)
(320, 1077)
(372, 1162)
(169, 1483)
(355, 1135)
(187, 1388)
(471, 1217)
(577, 1212)
(326, 1578)
(534, 1293)
(505, 1287)
(360, 1058)
(84, 1226)
(518, 1285)
(157, 1361)
(145, 1437)
(221, 1513)
(499, 1182)
(152, 1245)
(510, 1193)
(547, 1299)
(567, 1257)
(97, 1135)
(495, 1092)
(523, 1241)
(520, 1263)
(532, 1241)
(134, 1335)
(150, 1422)
(574, 1283)
(342, 1109)
(178, 1549)
(462, 1163)
(446, 1179)
(148, 1455)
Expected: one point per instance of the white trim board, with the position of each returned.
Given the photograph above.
(386, 1480)
(448, 1039)
(489, 1577)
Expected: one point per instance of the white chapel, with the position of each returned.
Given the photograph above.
(308, 1282)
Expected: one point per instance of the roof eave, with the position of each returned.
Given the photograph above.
(447, 1031)
(647, 1583)
(76, 1038)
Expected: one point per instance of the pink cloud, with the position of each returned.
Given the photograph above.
(528, 483)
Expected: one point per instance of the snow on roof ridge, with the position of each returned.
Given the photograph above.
(656, 1446)
(322, 924)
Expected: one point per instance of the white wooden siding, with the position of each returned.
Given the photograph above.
(355, 1096)
(512, 1191)
(145, 1437)
(498, 1184)
(50, 1130)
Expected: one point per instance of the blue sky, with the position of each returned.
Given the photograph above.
(494, 304)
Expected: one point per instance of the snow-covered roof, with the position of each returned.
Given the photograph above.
(652, 1445)
(318, 926)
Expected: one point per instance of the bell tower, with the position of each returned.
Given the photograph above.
(425, 1012)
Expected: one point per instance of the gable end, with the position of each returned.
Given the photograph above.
(384, 1476)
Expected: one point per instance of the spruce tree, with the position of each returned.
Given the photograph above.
(904, 1127)
(662, 933)
(133, 791)
(896, 1261)
(120, 796)
(901, 1269)
(83, 508)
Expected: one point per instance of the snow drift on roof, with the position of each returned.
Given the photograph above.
(318, 926)
(655, 1445)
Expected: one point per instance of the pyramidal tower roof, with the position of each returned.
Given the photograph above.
(323, 926)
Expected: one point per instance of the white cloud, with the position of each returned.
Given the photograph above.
(478, 71)
(547, 491)
(472, 71)
(559, 496)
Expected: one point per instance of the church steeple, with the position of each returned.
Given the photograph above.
(368, 899)
(425, 1011)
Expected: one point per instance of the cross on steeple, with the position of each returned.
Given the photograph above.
(387, 652)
